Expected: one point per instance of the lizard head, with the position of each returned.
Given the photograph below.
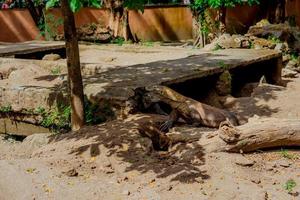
(162, 92)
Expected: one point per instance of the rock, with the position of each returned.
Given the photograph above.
(212, 46)
(287, 73)
(280, 47)
(6, 69)
(261, 42)
(246, 44)
(71, 173)
(126, 192)
(51, 57)
(226, 41)
(283, 32)
(255, 180)
(242, 161)
(258, 47)
(292, 63)
(110, 59)
(286, 58)
(24, 73)
(36, 140)
(272, 46)
(270, 167)
(94, 32)
(283, 163)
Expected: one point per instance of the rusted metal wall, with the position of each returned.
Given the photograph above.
(240, 18)
(154, 24)
(161, 23)
(84, 16)
(17, 25)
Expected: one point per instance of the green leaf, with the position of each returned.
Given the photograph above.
(51, 3)
(95, 3)
(75, 5)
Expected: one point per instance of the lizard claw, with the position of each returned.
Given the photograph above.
(166, 126)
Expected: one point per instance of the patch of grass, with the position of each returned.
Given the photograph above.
(251, 46)
(274, 39)
(57, 119)
(119, 41)
(6, 109)
(287, 155)
(56, 71)
(290, 185)
(147, 43)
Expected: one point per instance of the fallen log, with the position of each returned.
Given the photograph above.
(255, 135)
(260, 134)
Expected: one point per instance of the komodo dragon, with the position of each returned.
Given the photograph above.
(192, 111)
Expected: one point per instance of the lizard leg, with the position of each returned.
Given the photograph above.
(173, 117)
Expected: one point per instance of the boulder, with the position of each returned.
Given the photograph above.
(52, 57)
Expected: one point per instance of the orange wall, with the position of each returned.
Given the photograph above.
(161, 24)
(85, 16)
(155, 24)
(17, 25)
(240, 18)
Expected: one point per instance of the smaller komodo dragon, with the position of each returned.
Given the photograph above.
(190, 110)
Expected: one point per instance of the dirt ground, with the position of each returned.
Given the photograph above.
(113, 161)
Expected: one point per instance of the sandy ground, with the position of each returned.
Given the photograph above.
(113, 161)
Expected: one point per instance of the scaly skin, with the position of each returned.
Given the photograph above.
(192, 111)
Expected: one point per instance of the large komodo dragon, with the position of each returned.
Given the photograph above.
(190, 110)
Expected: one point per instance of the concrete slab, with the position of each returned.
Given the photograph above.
(116, 84)
(30, 47)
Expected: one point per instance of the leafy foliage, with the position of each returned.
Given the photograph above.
(289, 185)
(57, 119)
(75, 5)
(6, 109)
(201, 5)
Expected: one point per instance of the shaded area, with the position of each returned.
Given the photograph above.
(120, 140)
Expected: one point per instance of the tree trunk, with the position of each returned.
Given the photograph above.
(255, 135)
(33, 13)
(222, 18)
(73, 64)
(261, 134)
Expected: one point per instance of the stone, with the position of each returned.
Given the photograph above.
(283, 32)
(227, 42)
(292, 63)
(286, 58)
(36, 140)
(242, 161)
(261, 42)
(258, 47)
(255, 180)
(280, 47)
(283, 163)
(287, 73)
(51, 57)
(71, 173)
(126, 192)
(6, 69)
